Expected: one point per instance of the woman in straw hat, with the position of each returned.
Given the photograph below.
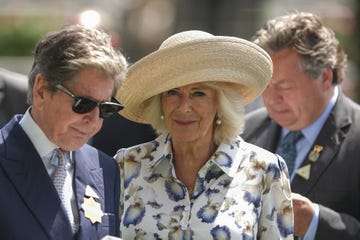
(199, 179)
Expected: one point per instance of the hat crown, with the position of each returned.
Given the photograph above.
(183, 37)
(194, 57)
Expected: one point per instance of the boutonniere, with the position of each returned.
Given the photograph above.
(92, 209)
(304, 171)
(315, 153)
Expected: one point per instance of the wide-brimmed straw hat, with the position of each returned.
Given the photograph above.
(193, 57)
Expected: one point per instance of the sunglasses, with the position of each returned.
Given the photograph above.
(85, 105)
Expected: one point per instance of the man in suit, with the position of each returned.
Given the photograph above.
(53, 185)
(304, 95)
(13, 88)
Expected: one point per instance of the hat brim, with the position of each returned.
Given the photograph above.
(218, 59)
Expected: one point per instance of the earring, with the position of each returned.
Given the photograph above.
(218, 121)
(162, 117)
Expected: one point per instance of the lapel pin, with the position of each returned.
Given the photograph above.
(89, 192)
(315, 153)
(304, 171)
(92, 209)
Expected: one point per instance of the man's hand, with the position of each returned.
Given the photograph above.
(303, 213)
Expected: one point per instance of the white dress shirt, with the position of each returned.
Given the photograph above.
(45, 148)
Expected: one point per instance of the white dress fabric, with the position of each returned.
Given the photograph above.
(242, 192)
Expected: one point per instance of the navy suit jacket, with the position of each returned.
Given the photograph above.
(30, 207)
(335, 177)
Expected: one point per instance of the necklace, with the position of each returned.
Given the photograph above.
(190, 190)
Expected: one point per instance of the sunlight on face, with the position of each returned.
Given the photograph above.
(64, 127)
(292, 98)
(190, 112)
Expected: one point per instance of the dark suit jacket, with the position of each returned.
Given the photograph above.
(30, 207)
(335, 177)
(13, 90)
(118, 132)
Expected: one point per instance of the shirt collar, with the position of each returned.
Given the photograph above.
(38, 138)
(226, 157)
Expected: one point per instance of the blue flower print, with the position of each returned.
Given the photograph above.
(220, 233)
(152, 178)
(174, 190)
(254, 199)
(133, 188)
(274, 170)
(225, 183)
(177, 234)
(226, 202)
(199, 187)
(284, 220)
(132, 170)
(134, 214)
(208, 212)
(155, 145)
(271, 215)
(155, 204)
(223, 159)
(213, 173)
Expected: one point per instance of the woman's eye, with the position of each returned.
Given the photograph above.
(171, 92)
(198, 94)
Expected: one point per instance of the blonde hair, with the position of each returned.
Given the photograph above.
(230, 110)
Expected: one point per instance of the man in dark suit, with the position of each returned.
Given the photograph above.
(13, 88)
(53, 185)
(304, 95)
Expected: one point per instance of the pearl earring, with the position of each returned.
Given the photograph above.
(162, 117)
(218, 121)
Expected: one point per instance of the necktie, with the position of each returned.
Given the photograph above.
(288, 149)
(59, 179)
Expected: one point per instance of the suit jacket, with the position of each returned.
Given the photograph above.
(335, 177)
(13, 90)
(30, 207)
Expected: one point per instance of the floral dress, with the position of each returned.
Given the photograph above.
(242, 192)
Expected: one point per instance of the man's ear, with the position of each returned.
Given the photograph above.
(327, 77)
(39, 90)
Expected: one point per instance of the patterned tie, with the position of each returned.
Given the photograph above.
(287, 149)
(59, 159)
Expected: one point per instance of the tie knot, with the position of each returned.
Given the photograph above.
(292, 137)
(58, 157)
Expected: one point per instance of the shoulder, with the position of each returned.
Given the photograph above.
(345, 113)
(265, 159)
(136, 151)
(255, 120)
(104, 159)
(256, 116)
(260, 152)
(13, 80)
(350, 105)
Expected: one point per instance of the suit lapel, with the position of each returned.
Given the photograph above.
(88, 174)
(29, 176)
(330, 138)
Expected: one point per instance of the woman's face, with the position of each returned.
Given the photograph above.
(189, 112)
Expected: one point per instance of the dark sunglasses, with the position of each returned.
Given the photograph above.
(85, 105)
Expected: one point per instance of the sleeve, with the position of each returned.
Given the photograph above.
(276, 218)
(119, 157)
(334, 225)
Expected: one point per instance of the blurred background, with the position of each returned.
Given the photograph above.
(139, 26)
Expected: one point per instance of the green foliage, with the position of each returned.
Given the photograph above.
(18, 36)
